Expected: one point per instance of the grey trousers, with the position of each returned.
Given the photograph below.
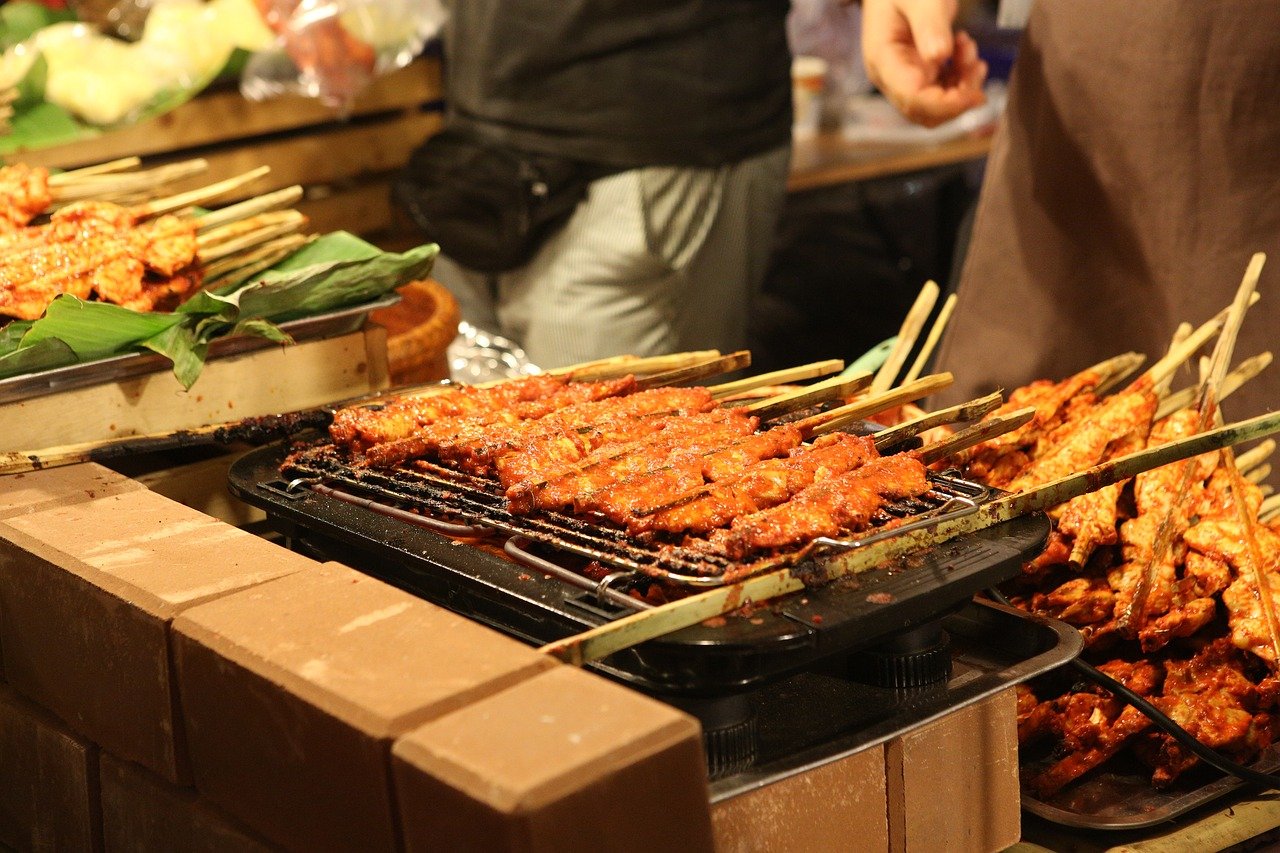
(655, 260)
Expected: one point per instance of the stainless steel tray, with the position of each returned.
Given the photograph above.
(993, 647)
(337, 322)
(1122, 797)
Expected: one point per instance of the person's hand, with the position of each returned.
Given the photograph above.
(912, 57)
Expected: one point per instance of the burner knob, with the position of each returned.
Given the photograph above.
(916, 658)
(730, 736)
(730, 749)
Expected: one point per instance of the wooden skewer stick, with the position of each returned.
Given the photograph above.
(1178, 355)
(710, 367)
(237, 269)
(935, 334)
(621, 365)
(907, 334)
(277, 227)
(1180, 334)
(1258, 474)
(875, 403)
(1114, 370)
(836, 388)
(128, 184)
(961, 412)
(784, 376)
(72, 175)
(1231, 383)
(200, 195)
(249, 207)
(629, 631)
(1270, 509)
(976, 434)
(1255, 456)
(230, 231)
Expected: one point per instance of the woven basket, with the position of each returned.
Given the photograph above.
(419, 329)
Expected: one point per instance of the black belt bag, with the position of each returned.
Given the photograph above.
(488, 206)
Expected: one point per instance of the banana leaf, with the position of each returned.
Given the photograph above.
(331, 272)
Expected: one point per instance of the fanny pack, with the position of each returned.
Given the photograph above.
(489, 207)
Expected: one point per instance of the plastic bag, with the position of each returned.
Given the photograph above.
(332, 49)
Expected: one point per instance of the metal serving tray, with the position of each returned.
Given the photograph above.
(993, 647)
(1121, 797)
(337, 322)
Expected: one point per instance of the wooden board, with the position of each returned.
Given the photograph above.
(276, 379)
(217, 117)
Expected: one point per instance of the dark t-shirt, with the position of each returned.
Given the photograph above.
(623, 82)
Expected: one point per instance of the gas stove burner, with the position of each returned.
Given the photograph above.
(917, 657)
(730, 731)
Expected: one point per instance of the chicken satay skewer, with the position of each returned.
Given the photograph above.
(117, 186)
(1256, 456)
(237, 269)
(1269, 511)
(248, 208)
(1134, 615)
(629, 631)
(1243, 372)
(785, 376)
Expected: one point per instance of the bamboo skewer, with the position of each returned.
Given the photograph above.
(1243, 372)
(276, 226)
(784, 376)
(1258, 474)
(618, 366)
(1179, 354)
(710, 367)
(1270, 509)
(836, 388)
(1180, 335)
(1114, 370)
(961, 412)
(876, 403)
(71, 176)
(118, 186)
(1255, 456)
(935, 334)
(976, 434)
(238, 269)
(629, 631)
(200, 195)
(907, 334)
(248, 208)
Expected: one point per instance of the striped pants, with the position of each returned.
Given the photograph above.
(654, 260)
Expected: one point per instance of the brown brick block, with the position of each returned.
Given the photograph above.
(21, 494)
(563, 761)
(293, 691)
(88, 591)
(140, 811)
(838, 806)
(47, 796)
(953, 784)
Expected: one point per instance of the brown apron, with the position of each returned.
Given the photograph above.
(1136, 171)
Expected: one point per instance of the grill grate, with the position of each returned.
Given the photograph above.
(476, 502)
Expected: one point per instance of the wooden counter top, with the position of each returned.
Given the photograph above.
(829, 158)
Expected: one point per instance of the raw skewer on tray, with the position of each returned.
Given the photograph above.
(147, 257)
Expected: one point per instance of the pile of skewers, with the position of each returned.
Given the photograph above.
(1171, 577)
(94, 238)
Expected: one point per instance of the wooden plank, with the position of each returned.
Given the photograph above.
(365, 209)
(277, 379)
(830, 159)
(334, 155)
(224, 115)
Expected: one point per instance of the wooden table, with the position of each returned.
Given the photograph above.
(829, 158)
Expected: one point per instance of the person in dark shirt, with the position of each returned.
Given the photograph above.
(683, 109)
